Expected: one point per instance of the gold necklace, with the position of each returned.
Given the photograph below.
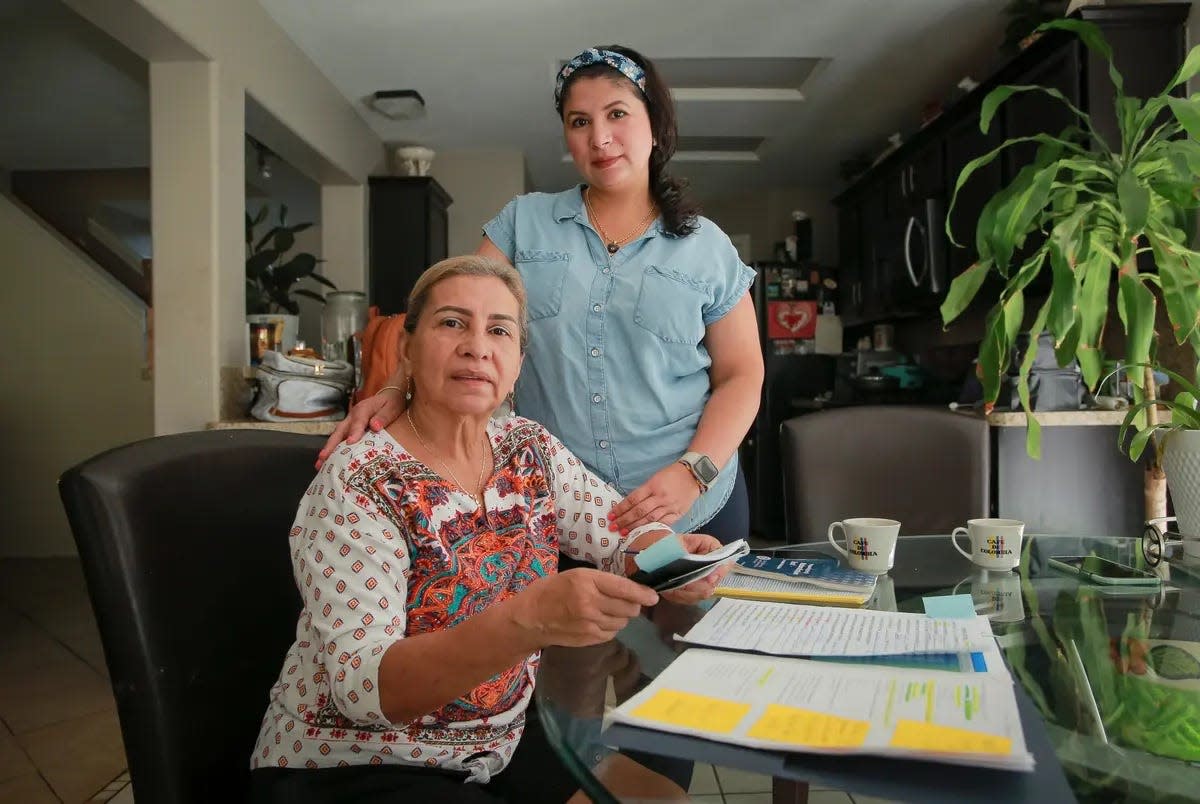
(614, 245)
(478, 498)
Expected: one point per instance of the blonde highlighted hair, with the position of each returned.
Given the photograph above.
(469, 265)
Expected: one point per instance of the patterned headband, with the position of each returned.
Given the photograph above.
(622, 64)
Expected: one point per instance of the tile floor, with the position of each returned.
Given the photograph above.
(59, 738)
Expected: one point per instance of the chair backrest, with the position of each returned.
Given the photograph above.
(929, 468)
(184, 545)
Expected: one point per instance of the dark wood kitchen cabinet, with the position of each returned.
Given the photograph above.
(1148, 43)
(409, 227)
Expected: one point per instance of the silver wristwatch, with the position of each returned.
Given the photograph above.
(701, 467)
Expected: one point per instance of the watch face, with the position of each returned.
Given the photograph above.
(706, 469)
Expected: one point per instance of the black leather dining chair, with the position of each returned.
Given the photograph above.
(929, 468)
(184, 545)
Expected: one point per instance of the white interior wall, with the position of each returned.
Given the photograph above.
(75, 352)
(767, 218)
(481, 183)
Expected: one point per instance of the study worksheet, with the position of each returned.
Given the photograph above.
(788, 629)
(798, 704)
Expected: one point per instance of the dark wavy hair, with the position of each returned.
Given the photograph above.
(679, 211)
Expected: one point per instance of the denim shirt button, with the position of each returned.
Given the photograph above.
(597, 398)
(596, 308)
(595, 352)
(603, 445)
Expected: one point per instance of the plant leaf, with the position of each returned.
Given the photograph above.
(1190, 66)
(268, 237)
(1015, 216)
(1135, 202)
(258, 263)
(962, 290)
(1180, 290)
(284, 240)
(1093, 39)
(1093, 309)
(1137, 306)
(283, 211)
(993, 355)
(982, 161)
(308, 294)
(299, 227)
(1033, 430)
(992, 102)
(1187, 112)
(318, 278)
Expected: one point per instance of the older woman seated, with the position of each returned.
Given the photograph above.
(426, 556)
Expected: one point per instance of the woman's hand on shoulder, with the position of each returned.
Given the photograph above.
(373, 413)
(579, 607)
(694, 592)
(665, 497)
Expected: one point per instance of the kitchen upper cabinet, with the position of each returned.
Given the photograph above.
(409, 229)
(899, 205)
(850, 252)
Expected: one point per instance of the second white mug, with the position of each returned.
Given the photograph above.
(995, 543)
(870, 543)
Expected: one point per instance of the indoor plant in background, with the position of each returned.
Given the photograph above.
(271, 275)
(1100, 204)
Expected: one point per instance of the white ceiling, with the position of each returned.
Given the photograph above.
(74, 98)
(486, 70)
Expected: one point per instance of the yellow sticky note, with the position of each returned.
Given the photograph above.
(931, 737)
(787, 724)
(692, 711)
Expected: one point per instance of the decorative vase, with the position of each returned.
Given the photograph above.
(1181, 462)
(287, 329)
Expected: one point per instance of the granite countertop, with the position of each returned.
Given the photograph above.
(1056, 418)
(307, 428)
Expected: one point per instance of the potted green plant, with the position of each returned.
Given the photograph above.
(271, 274)
(1099, 204)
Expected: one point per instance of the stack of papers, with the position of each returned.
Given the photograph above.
(905, 685)
(796, 580)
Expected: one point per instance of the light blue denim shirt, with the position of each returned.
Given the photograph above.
(616, 365)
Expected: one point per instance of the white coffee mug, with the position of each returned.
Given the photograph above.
(995, 543)
(997, 595)
(870, 543)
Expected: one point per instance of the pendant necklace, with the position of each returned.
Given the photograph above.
(431, 451)
(614, 245)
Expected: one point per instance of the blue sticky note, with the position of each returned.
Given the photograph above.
(949, 607)
(978, 663)
(660, 554)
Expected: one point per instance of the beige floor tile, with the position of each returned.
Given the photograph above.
(124, 797)
(752, 798)
(829, 797)
(13, 762)
(78, 757)
(60, 689)
(706, 799)
(24, 647)
(29, 789)
(704, 781)
(740, 781)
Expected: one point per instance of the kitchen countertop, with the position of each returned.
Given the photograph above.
(306, 428)
(1056, 418)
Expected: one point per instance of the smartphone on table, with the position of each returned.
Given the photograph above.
(1101, 570)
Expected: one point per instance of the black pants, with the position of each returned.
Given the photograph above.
(732, 522)
(535, 775)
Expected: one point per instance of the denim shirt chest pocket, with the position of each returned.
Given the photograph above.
(544, 273)
(670, 305)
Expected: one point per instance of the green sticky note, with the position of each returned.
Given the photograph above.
(949, 607)
(660, 554)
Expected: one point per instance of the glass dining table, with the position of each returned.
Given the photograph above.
(1110, 676)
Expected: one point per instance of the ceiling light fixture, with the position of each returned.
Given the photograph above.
(398, 104)
(264, 155)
